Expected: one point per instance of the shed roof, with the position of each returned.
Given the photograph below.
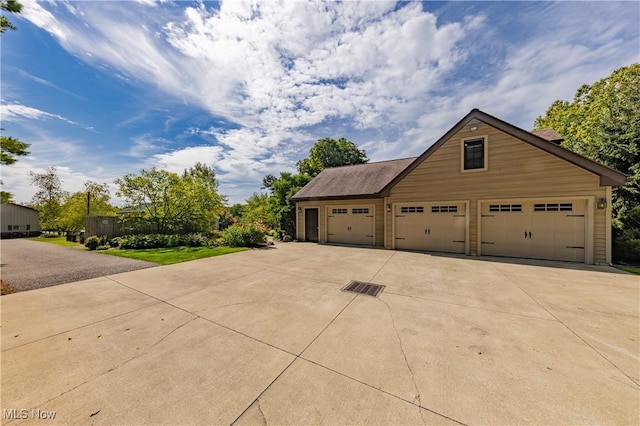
(24, 207)
(358, 180)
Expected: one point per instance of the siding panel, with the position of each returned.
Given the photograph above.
(515, 170)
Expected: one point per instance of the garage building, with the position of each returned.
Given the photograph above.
(18, 221)
(484, 188)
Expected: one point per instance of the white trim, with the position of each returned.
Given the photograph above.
(588, 228)
(485, 154)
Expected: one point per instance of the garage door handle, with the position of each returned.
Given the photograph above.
(529, 235)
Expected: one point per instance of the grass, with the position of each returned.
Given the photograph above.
(632, 269)
(168, 256)
(59, 241)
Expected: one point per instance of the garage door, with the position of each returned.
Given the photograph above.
(350, 225)
(430, 226)
(539, 230)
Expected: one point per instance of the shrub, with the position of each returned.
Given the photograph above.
(145, 241)
(244, 235)
(627, 251)
(93, 242)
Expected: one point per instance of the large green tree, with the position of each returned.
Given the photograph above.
(324, 153)
(281, 206)
(10, 148)
(49, 198)
(171, 202)
(329, 152)
(93, 200)
(603, 123)
(8, 6)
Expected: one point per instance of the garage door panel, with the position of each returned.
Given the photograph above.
(350, 224)
(430, 227)
(540, 230)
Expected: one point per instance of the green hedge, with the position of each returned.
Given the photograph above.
(145, 241)
(244, 235)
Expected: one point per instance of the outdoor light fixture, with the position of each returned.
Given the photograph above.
(473, 127)
(601, 204)
(388, 208)
(299, 208)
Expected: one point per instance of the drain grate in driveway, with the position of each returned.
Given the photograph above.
(364, 288)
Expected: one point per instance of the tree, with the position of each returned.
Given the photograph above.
(173, 203)
(257, 209)
(9, 6)
(10, 148)
(49, 198)
(6, 197)
(603, 123)
(93, 200)
(329, 152)
(280, 204)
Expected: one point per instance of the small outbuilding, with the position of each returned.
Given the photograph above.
(19, 221)
(486, 187)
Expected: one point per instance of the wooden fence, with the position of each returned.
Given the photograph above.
(113, 227)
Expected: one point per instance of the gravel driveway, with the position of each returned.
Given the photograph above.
(27, 265)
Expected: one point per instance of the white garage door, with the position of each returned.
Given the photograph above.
(539, 230)
(430, 226)
(350, 225)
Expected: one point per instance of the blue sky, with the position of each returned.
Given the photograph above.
(104, 88)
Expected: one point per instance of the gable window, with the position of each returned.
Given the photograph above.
(474, 154)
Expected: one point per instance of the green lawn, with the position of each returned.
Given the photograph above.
(168, 256)
(632, 269)
(60, 241)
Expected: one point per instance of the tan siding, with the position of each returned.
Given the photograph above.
(378, 204)
(515, 169)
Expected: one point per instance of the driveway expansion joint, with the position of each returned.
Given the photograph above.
(593, 348)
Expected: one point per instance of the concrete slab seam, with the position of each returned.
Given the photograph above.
(381, 390)
(469, 306)
(296, 357)
(122, 364)
(83, 326)
(406, 361)
(637, 385)
(209, 320)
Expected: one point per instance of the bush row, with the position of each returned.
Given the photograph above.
(244, 235)
(237, 235)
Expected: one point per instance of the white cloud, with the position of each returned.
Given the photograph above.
(284, 71)
(16, 112)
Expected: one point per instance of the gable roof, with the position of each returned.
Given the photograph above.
(608, 176)
(355, 181)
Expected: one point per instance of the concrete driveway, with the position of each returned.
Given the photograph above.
(267, 337)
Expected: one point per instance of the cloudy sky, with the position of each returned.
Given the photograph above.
(104, 88)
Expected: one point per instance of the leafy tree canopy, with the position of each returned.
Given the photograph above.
(9, 6)
(49, 197)
(329, 152)
(172, 202)
(603, 123)
(280, 204)
(10, 148)
(74, 210)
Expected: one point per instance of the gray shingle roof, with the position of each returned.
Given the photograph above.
(356, 180)
(548, 134)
